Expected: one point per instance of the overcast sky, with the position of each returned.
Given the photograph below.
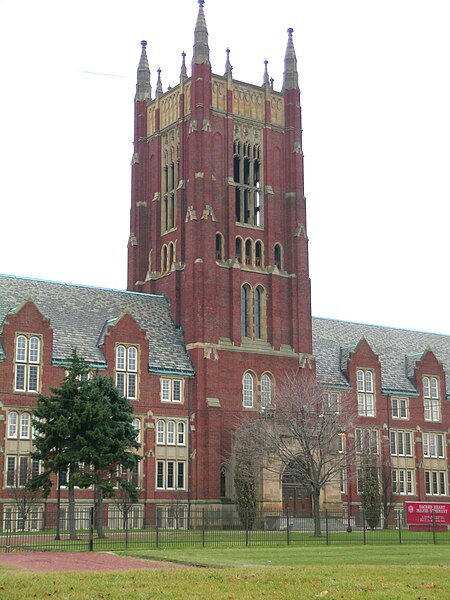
(374, 76)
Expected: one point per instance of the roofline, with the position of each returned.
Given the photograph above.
(64, 362)
(381, 326)
(81, 285)
(172, 372)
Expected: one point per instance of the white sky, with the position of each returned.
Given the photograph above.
(374, 76)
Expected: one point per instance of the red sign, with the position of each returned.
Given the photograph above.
(423, 513)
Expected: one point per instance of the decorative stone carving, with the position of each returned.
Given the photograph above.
(191, 214)
(300, 230)
(210, 351)
(208, 212)
(305, 360)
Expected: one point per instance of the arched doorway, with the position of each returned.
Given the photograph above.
(296, 495)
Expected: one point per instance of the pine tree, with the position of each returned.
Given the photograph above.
(84, 422)
(370, 490)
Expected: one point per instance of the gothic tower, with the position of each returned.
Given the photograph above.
(218, 224)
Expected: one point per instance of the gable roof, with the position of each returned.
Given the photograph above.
(398, 351)
(78, 315)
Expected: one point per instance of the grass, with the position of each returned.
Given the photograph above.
(343, 572)
(294, 556)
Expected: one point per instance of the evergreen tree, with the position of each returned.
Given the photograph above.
(245, 483)
(84, 422)
(108, 440)
(370, 490)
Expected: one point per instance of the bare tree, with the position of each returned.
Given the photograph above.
(301, 434)
(389, 494)
(25, 497)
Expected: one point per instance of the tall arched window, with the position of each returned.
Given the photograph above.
(248, 252)
(171, 433)
(25, 423)
(181, 433)
(247, 180)
(259, 262)
(27, 363)
(170, 257)
(266, 390)
(219, 247)
(245, 310)
(164, 259)
(278, 255)
(127, 371)
(12, 424)
(137, 429)
(247, 390)
(260, 312)
(160, 431)
(238, 252)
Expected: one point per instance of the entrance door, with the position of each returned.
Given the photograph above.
(297, 500)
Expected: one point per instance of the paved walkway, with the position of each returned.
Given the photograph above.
(77, 561)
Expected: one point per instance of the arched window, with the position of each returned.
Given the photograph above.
(164, 259)
(366, 395)
(27, 363)
(260, 312)
(266, 390)
(247, 180)
(248, 390)
(171, 433)
(160, 430)
(239, 249)
(278, 256)
(219, 247)
(137, 429)
(181, 433)
(12, 424)
(127, 371)
(25, 423)
(245, 310)
(248, 252)
(259, 261)
(170, 258)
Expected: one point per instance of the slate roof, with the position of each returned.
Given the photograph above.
(397, 349)
(78, 315)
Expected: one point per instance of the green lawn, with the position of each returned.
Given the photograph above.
(343, 572)
(294, 556)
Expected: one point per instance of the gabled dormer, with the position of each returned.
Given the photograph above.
(26, 342)
(125, 347)
(429, 378)
(362, 367)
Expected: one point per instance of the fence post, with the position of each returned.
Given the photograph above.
(203, 527)
(246, 527)
(364, 526)
(326, 526)
(399, 519)
(91, 529)
(126, 525)
(287, 527)
(157, 528)
(434, 527)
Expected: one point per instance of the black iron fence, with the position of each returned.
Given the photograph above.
(150, 526)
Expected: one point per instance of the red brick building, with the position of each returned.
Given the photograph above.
(218, 307)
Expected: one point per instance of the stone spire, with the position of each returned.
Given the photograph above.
(183, 74)
(201, 48)
(159, 89)
(143, 87)
(290, 79)
(266, 80)
(228, 67)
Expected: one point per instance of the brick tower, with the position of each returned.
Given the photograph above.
(218, 225)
